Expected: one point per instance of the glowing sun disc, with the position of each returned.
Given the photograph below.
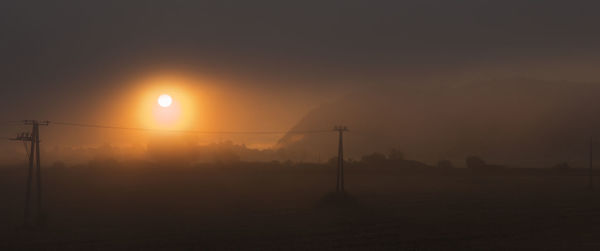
(165, 100)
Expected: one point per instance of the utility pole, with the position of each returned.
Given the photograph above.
(34, 154)
(591, 159)
(340, 169)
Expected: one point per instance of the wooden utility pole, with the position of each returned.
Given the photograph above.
(591, 162)
(340, 169)
(34, 154)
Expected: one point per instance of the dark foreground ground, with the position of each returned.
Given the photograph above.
(232, 208)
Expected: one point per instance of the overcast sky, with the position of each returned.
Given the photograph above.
(60, 59)
(58, 41)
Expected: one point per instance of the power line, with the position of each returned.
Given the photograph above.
(11, 123)
(62, 123)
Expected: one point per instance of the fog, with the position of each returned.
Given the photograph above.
(405, 67)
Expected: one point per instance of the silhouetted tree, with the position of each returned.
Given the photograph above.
(374, 159)
(103, 163)
(445, 164)
(226, 156)
(172, 151)
(58, 164)
(475, 162)
(332, 161)
(562, 166)
(395, 155)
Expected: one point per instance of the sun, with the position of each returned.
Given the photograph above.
(165, 100)
(169, 103)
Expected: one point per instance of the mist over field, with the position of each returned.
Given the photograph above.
(516, 122)
(299, 125)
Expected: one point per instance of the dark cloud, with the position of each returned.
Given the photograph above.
(77, 37)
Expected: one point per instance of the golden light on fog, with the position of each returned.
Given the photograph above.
(168, 102)
(165, 100)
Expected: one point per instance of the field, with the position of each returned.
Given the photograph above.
(253, 206)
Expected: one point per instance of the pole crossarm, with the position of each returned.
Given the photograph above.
(38, 122)
(24, 136)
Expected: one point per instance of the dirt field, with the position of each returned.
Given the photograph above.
(234, 208)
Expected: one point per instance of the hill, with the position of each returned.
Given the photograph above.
(520, 122)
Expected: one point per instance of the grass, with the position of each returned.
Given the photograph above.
(290, 208)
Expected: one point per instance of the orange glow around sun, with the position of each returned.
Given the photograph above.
(168, 103)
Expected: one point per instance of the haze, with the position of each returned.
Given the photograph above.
(272, 65)
(299, 125)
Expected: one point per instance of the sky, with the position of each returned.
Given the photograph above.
(264, 65)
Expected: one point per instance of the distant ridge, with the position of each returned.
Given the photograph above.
(520, 122)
